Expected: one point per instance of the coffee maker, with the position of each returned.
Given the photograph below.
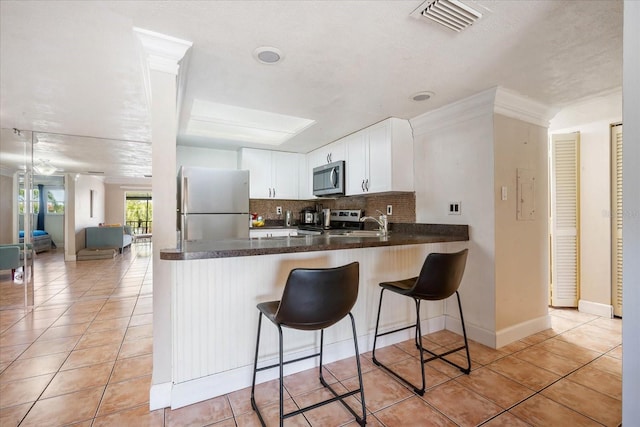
(308, 216)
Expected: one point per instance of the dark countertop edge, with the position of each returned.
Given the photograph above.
(318, 244)
(399, 227)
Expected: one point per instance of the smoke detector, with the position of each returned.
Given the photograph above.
(452, 14)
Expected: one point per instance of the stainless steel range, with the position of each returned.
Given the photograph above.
(341, 220)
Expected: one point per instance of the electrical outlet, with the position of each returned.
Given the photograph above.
(279, 210)
(455, 208)
(389, 210)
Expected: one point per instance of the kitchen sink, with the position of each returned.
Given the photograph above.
(358, 233)
(281, 237)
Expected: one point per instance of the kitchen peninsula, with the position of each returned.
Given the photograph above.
(216, 286)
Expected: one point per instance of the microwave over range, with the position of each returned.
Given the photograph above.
(328, 180)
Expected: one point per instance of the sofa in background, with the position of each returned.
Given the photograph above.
(40, 239)
(116, 237)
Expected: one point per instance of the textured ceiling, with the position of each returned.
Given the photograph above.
(74, 68)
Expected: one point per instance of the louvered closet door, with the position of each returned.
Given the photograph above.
(616, 219)
(565, 220)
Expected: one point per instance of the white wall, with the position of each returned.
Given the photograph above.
(593, 118)
(453, 161)
(78, 213)
(54, 225)
(522, 246)
(465, 152)
(631, 203)
(206, 157)
(114, 211)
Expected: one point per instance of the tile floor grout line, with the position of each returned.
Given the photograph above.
(92, 419)
(539, 392)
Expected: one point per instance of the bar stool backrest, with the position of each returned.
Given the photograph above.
(316, 298)
(440, 276)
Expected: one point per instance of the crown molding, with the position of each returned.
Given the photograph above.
(163, 53)
(496, 100)
(514, 105)
(453, 114)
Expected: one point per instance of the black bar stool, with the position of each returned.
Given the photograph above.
(313, 299)
(439, 279)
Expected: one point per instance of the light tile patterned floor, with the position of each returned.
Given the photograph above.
(83, 357)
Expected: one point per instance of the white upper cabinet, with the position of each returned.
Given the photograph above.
(273, 174)
(328, 154)
(380, 158)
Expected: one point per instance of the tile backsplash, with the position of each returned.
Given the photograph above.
(404, 206)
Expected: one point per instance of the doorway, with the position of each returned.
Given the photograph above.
(139, 213)
(565, 219)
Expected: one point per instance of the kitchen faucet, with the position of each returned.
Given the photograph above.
(381, 221)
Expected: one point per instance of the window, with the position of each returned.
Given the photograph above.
(35, 204)
(139, 212)
(55, 201)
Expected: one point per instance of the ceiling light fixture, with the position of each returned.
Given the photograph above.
(268, 55)
(422, 96)
(43, 167)
(452, 14)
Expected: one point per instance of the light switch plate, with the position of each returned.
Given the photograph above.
(389, 209)
(455, 208)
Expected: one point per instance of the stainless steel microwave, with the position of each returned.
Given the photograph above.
(328, 180)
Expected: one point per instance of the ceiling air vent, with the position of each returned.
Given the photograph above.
(449, 13)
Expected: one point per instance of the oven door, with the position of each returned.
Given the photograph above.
(329, 179)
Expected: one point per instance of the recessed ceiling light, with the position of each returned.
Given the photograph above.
(422, 96)
(268, 55)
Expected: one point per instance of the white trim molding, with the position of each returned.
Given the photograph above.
(160, 396)
(163, 52)
(197, 390)
(522, 330)
(455, 113)
(590, 307)
(496, 100)
(474, 332)
(514, 105)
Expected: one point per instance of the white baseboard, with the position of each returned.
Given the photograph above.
(200, 389)
(160, 396)
(590, 307)
(522, 330)
(190, 392)
(475, 333)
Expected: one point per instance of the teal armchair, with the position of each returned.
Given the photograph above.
(11, 258)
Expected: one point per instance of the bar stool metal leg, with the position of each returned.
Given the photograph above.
(418, 340)
(417, 390)
(338, 288)
(255, 371)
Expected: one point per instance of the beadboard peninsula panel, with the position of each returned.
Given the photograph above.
(214, 307)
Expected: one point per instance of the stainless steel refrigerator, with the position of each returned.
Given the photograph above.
(213, 204)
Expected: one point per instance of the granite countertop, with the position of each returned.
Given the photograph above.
(405, 234)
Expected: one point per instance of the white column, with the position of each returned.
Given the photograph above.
(163, 54)
(631, 209)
